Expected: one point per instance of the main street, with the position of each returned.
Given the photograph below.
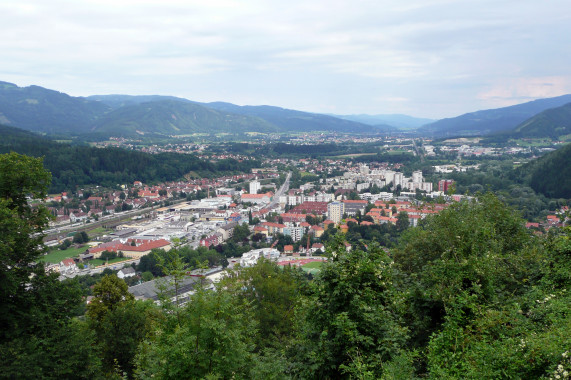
(280, 192)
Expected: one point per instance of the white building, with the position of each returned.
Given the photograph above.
(417, 177)
(250, 258)
(295, 232)
(254, 187)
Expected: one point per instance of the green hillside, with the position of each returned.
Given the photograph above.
(549, 175)
(73, 166)
(295, 121)
(170, 117)
(553, 123)
(118, 101)
(41, 110)
(492, 121)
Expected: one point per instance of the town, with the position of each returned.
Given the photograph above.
(286, 216)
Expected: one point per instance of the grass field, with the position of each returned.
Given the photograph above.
(355, 155)
(57, 255)
(97, 262)
(99, 231)
(313, 267)
(314, 264)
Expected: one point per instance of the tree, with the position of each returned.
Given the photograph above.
(37, 308)
(460, 265)
(402, 221)
(120, 331)
(212, 339)
(272, 293)
(350, 322)
(108, 294)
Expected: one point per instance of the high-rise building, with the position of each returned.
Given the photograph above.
(398, 179)
(335, 211)
(444, 184)
(254, 187)
(417, 176)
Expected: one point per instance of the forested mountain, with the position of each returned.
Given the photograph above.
(41, 110)
(38, 109)
(294, 121)
(394, 120)
(492, 121)
(72, 166)
(553, 123)
(549, 174)
(118, 101)
(172, 117)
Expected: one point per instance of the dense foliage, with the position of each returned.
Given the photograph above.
(73, 166)
(550, 174)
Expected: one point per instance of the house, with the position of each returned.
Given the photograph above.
(126, 272)
(261, 230)
(317, 246)
(214, 239)
(227, 230)
(67, 267)
(317, 231)
(274, 228)
(288, 249)
(77, 216)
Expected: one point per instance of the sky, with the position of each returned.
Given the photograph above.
(423, 58)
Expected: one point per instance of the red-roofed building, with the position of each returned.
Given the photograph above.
(257, 198)
(316, 246)
(327, 222)
(293, 218)
(316, 231)
(274, 228)
(315, 208)
(67, 266)
(141, 247)
(288, 249)
(261, 230)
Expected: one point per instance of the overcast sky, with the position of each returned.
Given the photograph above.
(418, 57)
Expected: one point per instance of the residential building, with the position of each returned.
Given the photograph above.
(335, 211)
(254, 187)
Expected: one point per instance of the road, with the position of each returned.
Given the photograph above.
(280, 192)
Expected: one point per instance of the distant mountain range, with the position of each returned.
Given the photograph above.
(396, 121)
(47, 111)
(491, 121)
(42, 110)
(173, 117)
